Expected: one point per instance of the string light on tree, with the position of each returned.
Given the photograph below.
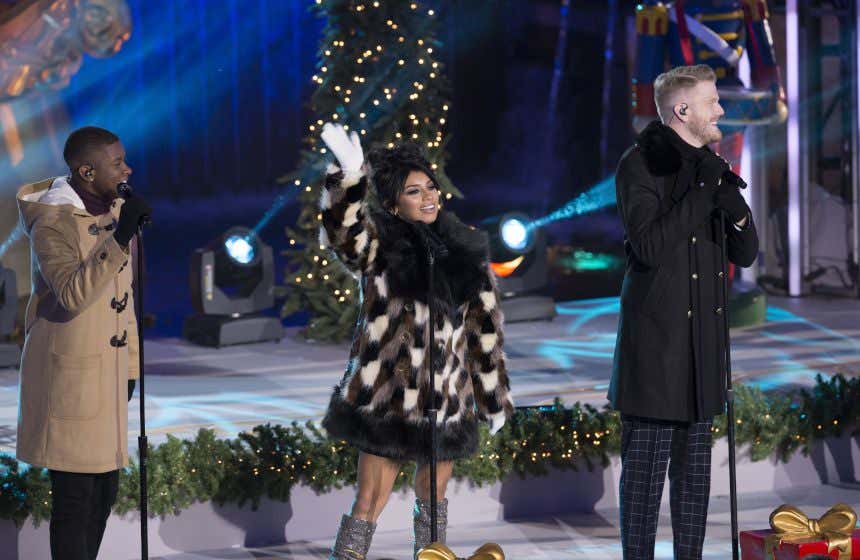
(378, 48)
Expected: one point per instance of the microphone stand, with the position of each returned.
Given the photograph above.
(436, 248)
(125, 191)
(730, 396)
(142, 444)
(432, 412)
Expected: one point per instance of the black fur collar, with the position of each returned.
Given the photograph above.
(457, 277)
(664, 150)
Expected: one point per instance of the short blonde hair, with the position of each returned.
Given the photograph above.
(677, 79)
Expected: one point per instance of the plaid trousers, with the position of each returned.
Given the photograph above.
(648, 446)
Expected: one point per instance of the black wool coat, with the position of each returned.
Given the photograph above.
(670, 349)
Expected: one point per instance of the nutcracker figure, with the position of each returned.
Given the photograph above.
(716, 33)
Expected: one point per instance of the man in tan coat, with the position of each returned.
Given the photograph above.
(80, 351)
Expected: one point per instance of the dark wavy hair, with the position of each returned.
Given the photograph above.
(390, 167)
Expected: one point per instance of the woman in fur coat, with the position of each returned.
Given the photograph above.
(379, 405)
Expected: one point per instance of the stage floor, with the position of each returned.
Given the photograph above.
(572, 537)
(233, 389)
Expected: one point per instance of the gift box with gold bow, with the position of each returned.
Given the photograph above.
(438, 551)
(794, 536)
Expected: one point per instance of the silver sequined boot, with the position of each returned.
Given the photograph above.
(421, 523)
(353, 539)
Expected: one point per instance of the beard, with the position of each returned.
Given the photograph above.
(705, 131)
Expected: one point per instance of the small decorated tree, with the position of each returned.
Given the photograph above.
(378, 75)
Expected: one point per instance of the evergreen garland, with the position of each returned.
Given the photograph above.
(269, 461)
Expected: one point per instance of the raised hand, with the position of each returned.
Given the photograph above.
(347, 149)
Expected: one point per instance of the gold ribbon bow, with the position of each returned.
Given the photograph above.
(793, 526)
(438, 551)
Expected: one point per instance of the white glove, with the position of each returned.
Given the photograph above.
(497, 421)
(347, 149)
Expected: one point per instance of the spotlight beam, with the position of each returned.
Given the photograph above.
(597, 197)
(279, 203)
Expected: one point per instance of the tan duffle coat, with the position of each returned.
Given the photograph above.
(81, 343)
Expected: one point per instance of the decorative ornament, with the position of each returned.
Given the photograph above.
(790, 525)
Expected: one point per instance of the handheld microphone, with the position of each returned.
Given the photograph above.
(125, 192)
(734, 179)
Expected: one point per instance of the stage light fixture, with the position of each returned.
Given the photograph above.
(518, 259)
(515, 233)
(10, 353)
(232, 283)
(240, 249)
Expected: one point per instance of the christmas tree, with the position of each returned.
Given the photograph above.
(378, 75)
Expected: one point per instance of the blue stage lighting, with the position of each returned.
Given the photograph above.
(594, 198)
(511, 235)
(239, 249)
(515, 233)
(16, 234)
(232, 286)
(519, 261)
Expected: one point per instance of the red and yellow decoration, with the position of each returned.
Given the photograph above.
(652, 20)
(794, 535)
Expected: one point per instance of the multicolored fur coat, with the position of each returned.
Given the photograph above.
(379, 404)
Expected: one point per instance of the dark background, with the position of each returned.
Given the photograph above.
(210, 98)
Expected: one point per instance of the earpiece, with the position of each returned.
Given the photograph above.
(683, 109)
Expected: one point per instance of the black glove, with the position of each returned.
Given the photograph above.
(709, 171)
(728, 198)
(132, 383)
(130, 216)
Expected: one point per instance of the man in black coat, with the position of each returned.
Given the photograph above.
(668, 378)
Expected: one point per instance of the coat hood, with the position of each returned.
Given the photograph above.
(47, 199)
